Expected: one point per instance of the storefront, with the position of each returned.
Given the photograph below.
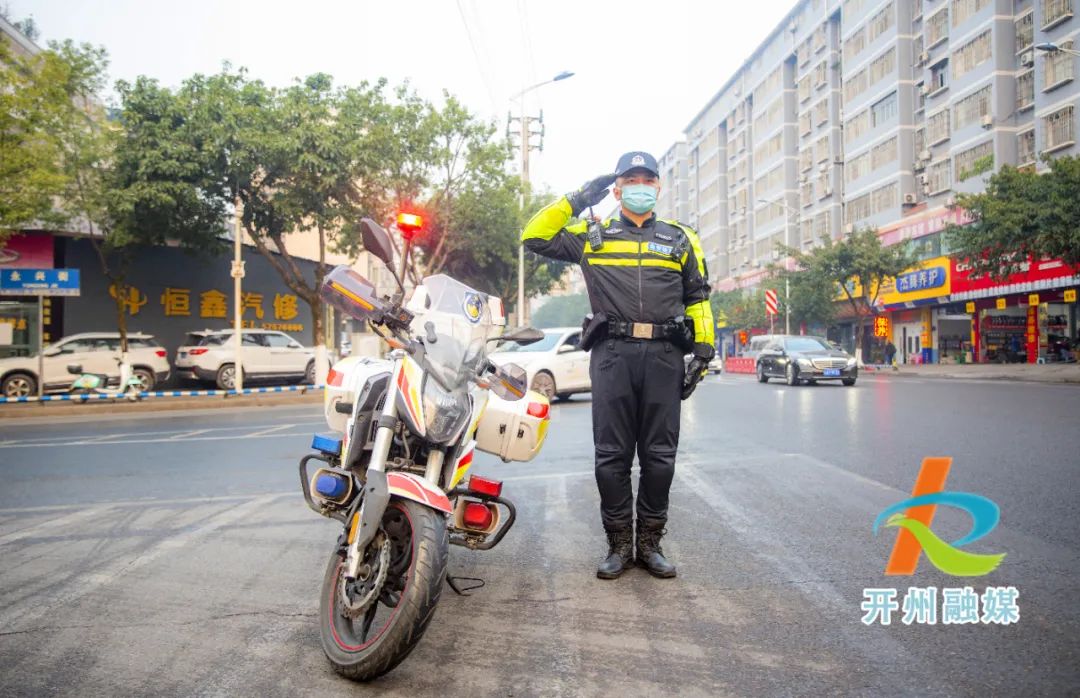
(1029, 317)
(19, 314)
(910, 302)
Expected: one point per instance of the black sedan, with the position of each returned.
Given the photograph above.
(797, 358)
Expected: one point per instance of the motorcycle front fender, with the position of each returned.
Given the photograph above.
(419, 490)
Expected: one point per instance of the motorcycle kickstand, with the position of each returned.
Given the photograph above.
(453, 583)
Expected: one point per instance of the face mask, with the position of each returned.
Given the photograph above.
(639, 198)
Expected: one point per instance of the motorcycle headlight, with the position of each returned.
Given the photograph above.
(444, 413)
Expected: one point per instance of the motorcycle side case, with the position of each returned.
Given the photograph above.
(514, 431)
(348, 378)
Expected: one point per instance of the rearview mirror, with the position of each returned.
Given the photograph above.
(566, 349)
(376, 241)
(74, 369)
(521, 335)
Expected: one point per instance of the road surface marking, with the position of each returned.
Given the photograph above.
(185, 434)
(271, 429)
(149, 501)
(46, 526)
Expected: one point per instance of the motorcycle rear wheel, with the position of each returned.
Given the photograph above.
(367, 647)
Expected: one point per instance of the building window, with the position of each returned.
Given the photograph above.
(855, 43)
(806, 194)
(819, 38)
(972, 108)
(803, 53)
(939, 76)
(804, 123)
(883, 153)
(1025, 90)
(884, 198)
(857, 209)
(1025, 148)
(855, 85)
(919, 142)
(962, 9)
(883, 66)
(821, 75)
(768, 149)
(821, 224)
(937, 27)
(883, 111)
(821, 112)
(821, 149)
(974, 161)
(940, 177)
(857, 167)
(916, 9)
(1055, 12)
(856, 126)
(1058, 129)
(937, 127)
(806, 159)
(881, 22)
(971, 55)
(1025, 32)
(804, 88)
(1058, 67)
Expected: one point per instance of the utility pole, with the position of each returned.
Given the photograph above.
(237, 275)
(790, 217)
(525, 133)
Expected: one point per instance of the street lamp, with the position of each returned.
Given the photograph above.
(525, 134)
(787, 282)
(1051, 47)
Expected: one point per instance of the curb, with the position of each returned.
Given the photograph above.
(84, 397)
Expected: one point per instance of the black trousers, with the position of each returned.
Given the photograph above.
(636, 403)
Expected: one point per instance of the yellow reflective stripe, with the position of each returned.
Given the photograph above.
(548, 221)
(704, 329)
(615, 247)
(577, 228)
(608, 262)
(695, 245)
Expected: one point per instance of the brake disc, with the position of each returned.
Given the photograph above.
(370, 588)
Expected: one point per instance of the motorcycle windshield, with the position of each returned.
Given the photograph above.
(462, 321)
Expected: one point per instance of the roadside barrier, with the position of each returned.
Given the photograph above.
(78, 397)
(738, 364)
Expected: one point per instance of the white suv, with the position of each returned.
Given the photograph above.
(555, 365)
(210, 356)
(96, 352)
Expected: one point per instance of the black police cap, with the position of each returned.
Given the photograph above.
(637, 160)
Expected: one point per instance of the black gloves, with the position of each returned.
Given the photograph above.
(694, 373)
(590, 194)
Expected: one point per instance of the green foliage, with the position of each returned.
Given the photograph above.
(978, 167)
(811, 296)
(1021, 215)
(856, 265)
(744, 309)
(562, 311)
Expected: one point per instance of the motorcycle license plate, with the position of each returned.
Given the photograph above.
(832, 372)
(183, 355)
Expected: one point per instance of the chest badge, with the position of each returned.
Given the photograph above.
(656, 247)
(663, 236)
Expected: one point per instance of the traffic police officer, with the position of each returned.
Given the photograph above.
(649, 292)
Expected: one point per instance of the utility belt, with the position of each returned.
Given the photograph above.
(679, 331)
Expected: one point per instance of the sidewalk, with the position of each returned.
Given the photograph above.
(163, 404)
(1036, 373)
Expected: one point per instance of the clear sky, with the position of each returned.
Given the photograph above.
(643, 69)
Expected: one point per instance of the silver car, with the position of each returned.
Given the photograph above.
(210, 355)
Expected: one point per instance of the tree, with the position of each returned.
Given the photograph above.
(858, 265)
(562, 311)
(744, 309)
(809, 297)
(1022, 215)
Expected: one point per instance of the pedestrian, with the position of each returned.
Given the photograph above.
(648, 289)
(890, 352)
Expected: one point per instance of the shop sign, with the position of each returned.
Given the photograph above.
(1033, 299)
(1000, 304)
(923, 224)
(930, 279)
(969, 307)
(881, 326)
(1032, 333)
(927, 329)
(1070, 295)
(27, 251)
(1031, 276)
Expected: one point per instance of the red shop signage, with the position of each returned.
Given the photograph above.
(1030, 272)
(27, 251)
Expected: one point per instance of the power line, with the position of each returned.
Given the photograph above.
(526, 40)
(479, 62)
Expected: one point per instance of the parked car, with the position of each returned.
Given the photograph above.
(798, 358)
(209, 356)
(95, 352)
(716, 364)
(556, 366)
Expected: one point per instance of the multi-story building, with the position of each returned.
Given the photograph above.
(672, 201)
(874, 114)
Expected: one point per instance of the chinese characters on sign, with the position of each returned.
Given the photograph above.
(958, 606)
(881, 326)
(920, 280)
(177, 302)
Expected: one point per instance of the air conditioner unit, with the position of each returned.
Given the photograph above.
(924, 154)
(909, 199)
(919, 165)
(1027, 58)
(988, 121)
(924, 57)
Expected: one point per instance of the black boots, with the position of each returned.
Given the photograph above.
(649, 554)
(620, 553)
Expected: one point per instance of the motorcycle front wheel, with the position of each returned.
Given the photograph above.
(369, 644)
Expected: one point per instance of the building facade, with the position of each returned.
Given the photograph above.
(874, 114)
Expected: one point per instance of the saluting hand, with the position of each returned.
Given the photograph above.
(590, 193)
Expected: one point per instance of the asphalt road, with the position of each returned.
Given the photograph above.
(173, 555)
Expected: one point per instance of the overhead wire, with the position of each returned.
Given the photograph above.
(479, 61)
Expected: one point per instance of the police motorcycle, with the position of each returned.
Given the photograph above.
(393, 469)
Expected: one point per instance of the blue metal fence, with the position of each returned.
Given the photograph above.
(163, 393)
